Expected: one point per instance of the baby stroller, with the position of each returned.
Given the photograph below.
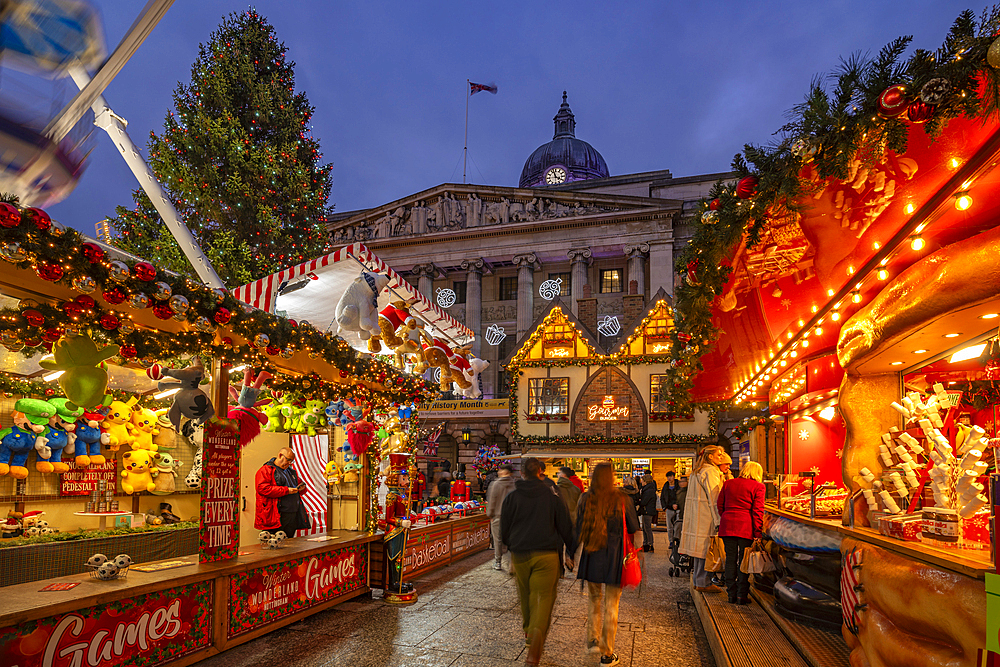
(679, 563)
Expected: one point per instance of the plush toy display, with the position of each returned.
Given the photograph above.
(167, 514)
(166, 471)
(472, 369)
(167, 436)
(153, 519)
(357, 309)
(351, 473)
(269, 541)
(333, 472)
(335, 413)
(67, 414)
(117, 421)
(89, 438)
(393, 317)
(193, 479)
(437, 353)
(411, 345)
(85, 381)
(250, 418)
(39, 416)
(143, 427)
(190, 401)
(15, 445)
(137, 471)
(311, 418)
(459, 366)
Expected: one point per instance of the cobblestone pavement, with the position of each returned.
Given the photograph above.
(468, 616)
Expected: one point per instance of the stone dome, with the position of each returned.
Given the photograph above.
(565, 158)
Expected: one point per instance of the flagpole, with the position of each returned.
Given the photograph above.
(465, 150)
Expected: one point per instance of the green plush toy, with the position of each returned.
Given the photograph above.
(84, 382)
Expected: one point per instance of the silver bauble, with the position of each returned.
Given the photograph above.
(262, 340)
(710, 217)
(203, 324)
(179, 304)
(220, 295)
(161, 291)
(286, 353)
(12, 252)
(84, 284)
(139, 301)
(119, 271)
(126, 326)
(57, 229)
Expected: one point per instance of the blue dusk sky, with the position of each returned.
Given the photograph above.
(654, 84)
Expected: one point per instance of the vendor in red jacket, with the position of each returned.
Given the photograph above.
(741, 520)
(278, 501)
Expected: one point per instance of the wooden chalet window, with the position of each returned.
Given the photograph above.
(659, 386)
(548, 396)
(560, 334)
(658, 328)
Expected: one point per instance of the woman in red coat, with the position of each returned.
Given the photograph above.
(741, 511)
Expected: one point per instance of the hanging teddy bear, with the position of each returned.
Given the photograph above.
(190, 401)
(357, 309)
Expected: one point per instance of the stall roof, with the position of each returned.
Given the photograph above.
(311, 290)
(603, 454)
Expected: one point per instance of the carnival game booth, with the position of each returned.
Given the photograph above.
(572, 403)
(126, 338)
(851, 255)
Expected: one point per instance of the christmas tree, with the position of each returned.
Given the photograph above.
(238, 161)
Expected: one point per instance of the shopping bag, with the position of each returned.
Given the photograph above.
(715, 559)
(756, 560)
(631, 570)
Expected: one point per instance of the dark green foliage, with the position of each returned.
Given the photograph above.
(238, 162)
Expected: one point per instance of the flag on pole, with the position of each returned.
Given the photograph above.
(482, 87)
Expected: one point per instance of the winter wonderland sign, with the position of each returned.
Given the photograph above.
(446, 297)
(550, 289)
(495, 334)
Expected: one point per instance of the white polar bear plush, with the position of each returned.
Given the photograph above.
(476, 366)
(358, 306)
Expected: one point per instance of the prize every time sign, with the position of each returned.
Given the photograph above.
(219, 534)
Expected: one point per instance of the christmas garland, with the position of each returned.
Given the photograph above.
(30, 240)
(92, 534)
(868, 111)
(749, 424)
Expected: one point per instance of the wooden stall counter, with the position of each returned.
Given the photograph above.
(178, 611)
(974, 563)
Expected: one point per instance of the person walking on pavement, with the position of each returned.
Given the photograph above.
(568, 491)
(605, 518)
(741, 512)
(501, 486)
(682, 492)
(668, 501)
(535, 526)
(279, 505)
(631, 490)
(548, 480)
(647, 510)
(571, 474)
(701, 514)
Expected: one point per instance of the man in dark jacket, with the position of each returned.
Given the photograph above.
(278, 503)
(495, 495)
(535, 526)
(668, 500)
(647, 510)
(682, 492)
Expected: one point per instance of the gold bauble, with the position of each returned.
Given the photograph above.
(993, 54)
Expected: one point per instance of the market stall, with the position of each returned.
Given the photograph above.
(99, 340)
(849, 269)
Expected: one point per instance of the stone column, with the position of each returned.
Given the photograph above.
(637, 265)
(425, 278)
(661, 263)
(580, 259)
(474, 298)
(525, 291)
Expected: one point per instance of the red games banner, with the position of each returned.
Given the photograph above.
(145, 630)
(81, 481)
(219, 535)
(264, 595)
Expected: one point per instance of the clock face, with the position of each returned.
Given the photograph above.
(555, 175)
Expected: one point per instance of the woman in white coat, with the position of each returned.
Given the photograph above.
(701, 514)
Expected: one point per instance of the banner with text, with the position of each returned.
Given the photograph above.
(491, 407)
(219, 534)
(81, 481)
(148, 629)
(264, 595)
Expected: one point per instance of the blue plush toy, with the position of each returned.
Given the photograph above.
(335, 412)
(89, 438)
(15, 445)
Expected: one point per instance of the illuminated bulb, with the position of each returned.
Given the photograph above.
(52, 376)
(963, 202)
(989, 316)
(876, 245)
(909, 209)
(882, 274)
(814, 309)
(953, 163)
(805, 343)
(850, 270)
(168, 392)
(916, 243)
(884, 261)
(819, 331)
(237, 369)
(856, 296)
(835, 317)
(789, 334)
(784, 363)
(794, 354)
(830, 292)
(802, 323)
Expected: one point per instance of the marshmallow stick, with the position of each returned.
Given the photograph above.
(886, 439)
(972, 506)
(870, 498)
(890, 505)
(980, 467)
(942, 395)
(867, 475)
(893, 430)
(936, 420)
(912, 480)
(901, 410)
(976, 434)
(886, 459)
(908, 403)
(971, 457)
(932, 404)
(903, 455)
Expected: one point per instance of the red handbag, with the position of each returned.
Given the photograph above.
(631, 570)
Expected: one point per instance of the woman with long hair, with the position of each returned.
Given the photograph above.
(605, 518)
(701, 514)
(741, 510)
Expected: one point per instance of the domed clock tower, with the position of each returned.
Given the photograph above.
(565, 158)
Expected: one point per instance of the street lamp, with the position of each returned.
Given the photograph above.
(466, 435)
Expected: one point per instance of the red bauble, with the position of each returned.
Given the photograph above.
(155, 372)
(892, 102)
(163, 311)
(714, 205)
(145, 271)
(92, 252)
(227, 342)
(32, 341)
(85, 301)
(33, 317)
(222, 316)
(72, 308)
(114, 296)
(293, 323)
(10, 217)
(38, 218)
(128, 352)
(52, 334)
(109, 321)
(919, 112)
(747, 187)
(50, 272)
(272, 350)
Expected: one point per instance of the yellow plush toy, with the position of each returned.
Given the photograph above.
(138, 470)
(142, 428)
(117, 422)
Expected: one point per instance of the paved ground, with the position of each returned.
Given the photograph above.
(468, 616)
